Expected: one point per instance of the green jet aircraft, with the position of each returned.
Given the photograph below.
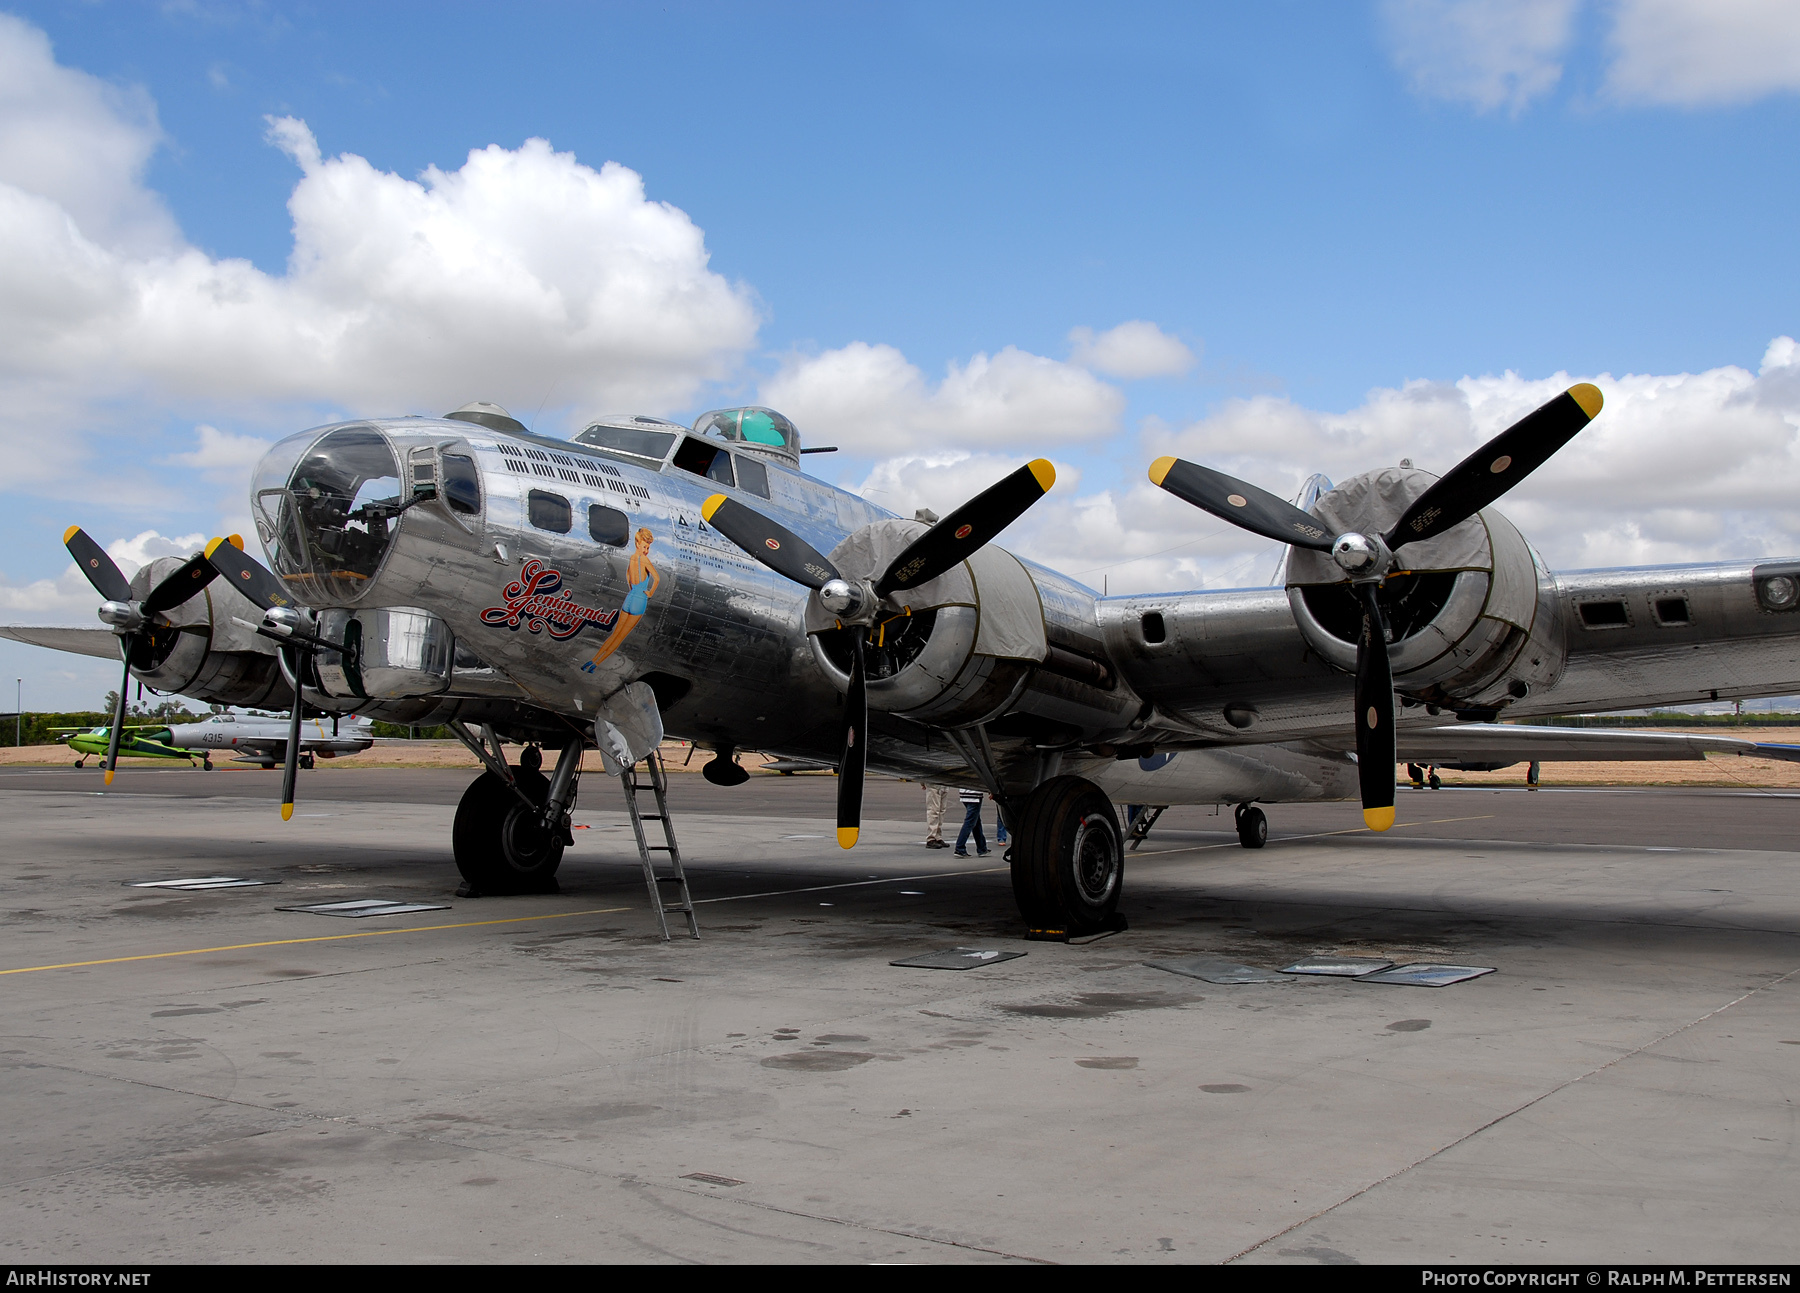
(143, 742)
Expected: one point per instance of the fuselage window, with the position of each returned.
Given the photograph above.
(608, 525)
(549, 511)
(462, 484)
(753, 475)
(706, 460)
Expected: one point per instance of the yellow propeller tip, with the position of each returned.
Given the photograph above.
(1588, 396)
(1044, 472)
(710, 506)
(236, 541)
(212, 547)
(287, 812)
(71, 532)
(1378, 819)
(1159, 469)
(847, 836)
(109, 776)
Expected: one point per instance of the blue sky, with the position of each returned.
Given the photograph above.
(1339, 210)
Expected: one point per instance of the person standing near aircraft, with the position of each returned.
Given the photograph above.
(971, 801)
(937, 803)
(644, 580)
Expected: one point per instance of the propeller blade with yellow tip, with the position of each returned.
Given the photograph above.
(1498, 465)
(1238, 501)
(1375, 746)
(101, 570)
(856, 747)
(246, 574)
(777, 547)
(969, 527)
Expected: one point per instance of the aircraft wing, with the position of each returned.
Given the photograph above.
(103, 643)
(1521, 743)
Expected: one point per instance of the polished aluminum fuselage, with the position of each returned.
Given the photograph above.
(472, 627)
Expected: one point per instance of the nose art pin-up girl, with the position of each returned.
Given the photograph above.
(644, 581)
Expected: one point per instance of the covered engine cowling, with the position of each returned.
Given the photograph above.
(1472, 615)
(964, 645)
(208, 655)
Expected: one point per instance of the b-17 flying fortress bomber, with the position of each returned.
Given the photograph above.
(647, 578)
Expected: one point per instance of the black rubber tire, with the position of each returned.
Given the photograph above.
(1068, 862)
(306, 761)
(498, 850)
(1435, 782)
(1252, 827)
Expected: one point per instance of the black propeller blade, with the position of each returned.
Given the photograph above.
(193, 575)
(1241, 503)
(969, 527)
(101, 571)
(248, 575)
(1471, 485)
(133, 620)
(951, 540)
(856, 753)
(777, 547)
(1497, 466)
(290, 769)
(1375, 740)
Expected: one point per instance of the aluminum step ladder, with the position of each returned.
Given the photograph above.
(1141, 824)
(654, 880)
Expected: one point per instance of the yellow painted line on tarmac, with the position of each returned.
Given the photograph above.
(317, 938)
(1317, 835)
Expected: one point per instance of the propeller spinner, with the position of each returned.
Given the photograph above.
(856, 603)
(1478, 480)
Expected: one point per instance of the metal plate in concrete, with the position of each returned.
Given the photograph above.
(1423, 974)
(957, 958)
(199, 882)
(1343, 967)
(1216, 969)
(357, 908)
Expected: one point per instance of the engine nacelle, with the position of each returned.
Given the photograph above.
(1473, 615)
(972, 644)
(208, 655)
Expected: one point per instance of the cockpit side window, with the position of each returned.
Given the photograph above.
(753, 475)
(703, 459)
(549, 511)
(462, 484)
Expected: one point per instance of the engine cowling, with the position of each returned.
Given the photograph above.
(1473, 618)
(208, 655)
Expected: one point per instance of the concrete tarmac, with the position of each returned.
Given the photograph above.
(201, 1077)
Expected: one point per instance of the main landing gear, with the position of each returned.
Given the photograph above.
(509, 838)
(1252, 826)
(1068, 862)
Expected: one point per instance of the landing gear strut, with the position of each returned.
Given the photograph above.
(1068, 862)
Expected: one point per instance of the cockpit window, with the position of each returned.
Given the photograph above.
(703, 459)
(632, 440)
(462, 484)
(328, 530)
(756, 426)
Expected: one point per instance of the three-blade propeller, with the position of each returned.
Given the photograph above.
(1478, 480)
(137, 623)
(856, 603)
(286, 621)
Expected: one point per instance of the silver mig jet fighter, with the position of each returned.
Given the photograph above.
(646, 578)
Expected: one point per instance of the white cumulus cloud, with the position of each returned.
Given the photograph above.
(872, 399)
(1134, 349)
(522, 276)
(1693, 52)
(1489, 54)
